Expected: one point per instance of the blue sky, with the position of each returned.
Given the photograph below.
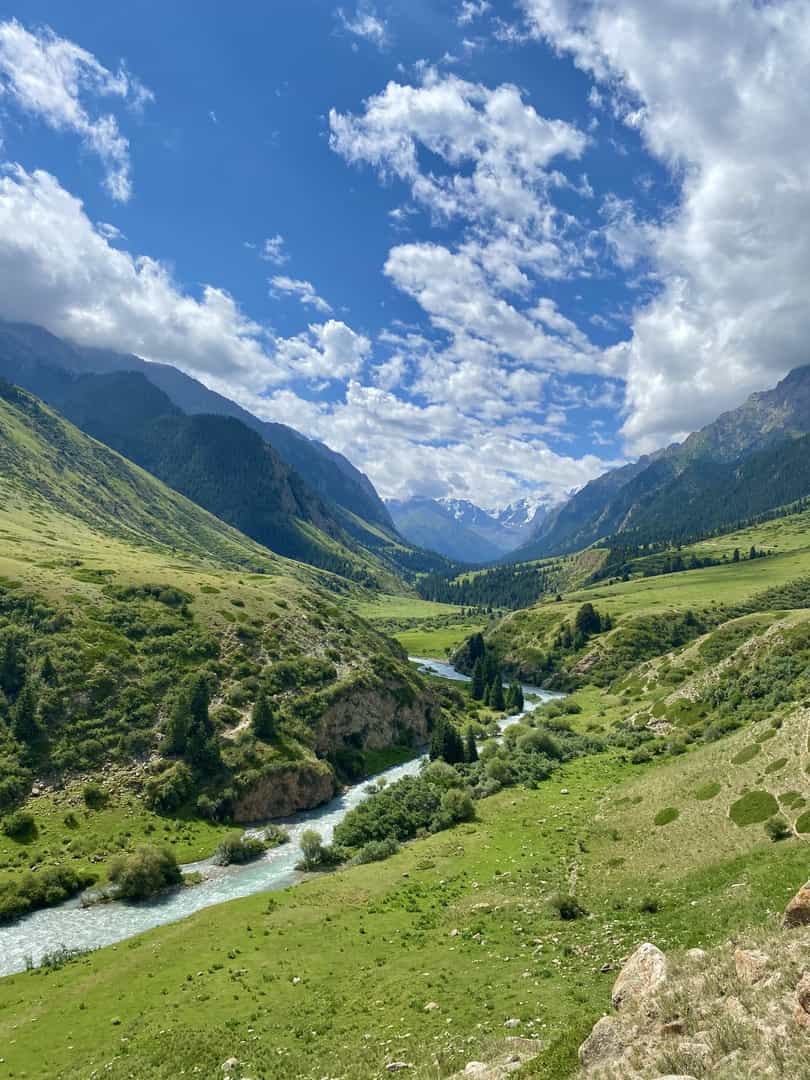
(484, 249)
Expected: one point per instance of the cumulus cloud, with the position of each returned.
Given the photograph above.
(303, 290)
(273, 250)
(331, 350)
(58, 82)
(471, 10)
(717, 93)
(365, 23)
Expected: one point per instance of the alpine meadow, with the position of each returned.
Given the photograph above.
(404, 540)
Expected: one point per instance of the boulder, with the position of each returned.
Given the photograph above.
(751, 965)
(607, 1041)
(229, 1065)
(697, 956)
(803, 1000)
(641, 977)
(797, 913)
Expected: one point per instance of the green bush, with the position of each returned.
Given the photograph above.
(667, 815)
(708, 791)
(39, 889)
(777, 828)
(745, 755)
(147, 871)
(20, 826)
(566, 907)
(170, 789)
(94, 795)
(803, 823)
(376, 851)
(753, 808)
(239, 848)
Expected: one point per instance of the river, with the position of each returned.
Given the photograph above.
(70, 925)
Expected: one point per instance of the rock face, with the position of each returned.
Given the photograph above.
(641, 977)
(373, 717)
(606, 1042)
(797, 913)
(803, 1001)
(285, 791)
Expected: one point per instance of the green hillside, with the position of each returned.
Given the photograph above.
(121, 603)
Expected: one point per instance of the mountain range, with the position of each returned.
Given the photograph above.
(295, 496)
(746, 462)
(462, 531)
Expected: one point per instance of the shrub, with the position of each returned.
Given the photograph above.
(377, 850)
(668, 814)
(94, 795)
(170, 789)
(146, 872)
(777, 828)
(803, 823)
(753, 808)
(649, 905)
(43, 888)
(567, 907)
(275, 835)
(20, 826)
(239, 848)
(708, 791)
(745, 755)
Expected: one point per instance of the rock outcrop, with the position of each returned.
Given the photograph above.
(797, 913)
(372, 718)
(641, 977)
(285, 791)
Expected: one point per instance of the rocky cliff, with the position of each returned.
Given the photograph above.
(285, 791)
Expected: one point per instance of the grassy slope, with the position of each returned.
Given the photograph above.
(77, 522)
(373, 945)
(422, 627)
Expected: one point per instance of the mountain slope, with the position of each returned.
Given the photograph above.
(118, 594)
(25, 349)
(616, 501)
(461, 530)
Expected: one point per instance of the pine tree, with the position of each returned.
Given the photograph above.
(496, 698)
(514, 698)
(470, 747)
(736, 556)
(47, 673)
(476, 647)
(453, 747)
(436, 751)
(12, 667)
(477, 686)
(24, 715)
(199, 750)
(263, 719)
(587, 621)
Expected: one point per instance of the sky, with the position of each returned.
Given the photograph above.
(487, 249)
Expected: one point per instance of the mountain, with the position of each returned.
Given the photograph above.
(26, 349)
(651, 496)
(217, 461)
(461, 530)
(115, 592)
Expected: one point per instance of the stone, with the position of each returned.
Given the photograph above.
(751, 965)
(431, 1006)
(803, 1000)
(797, 913)
(513, 1023)
(697, 956)
(398, 1066)
(608, 1039)
(643, 974)
(230, 1064)
(672, 1027)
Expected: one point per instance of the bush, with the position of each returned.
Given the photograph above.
(43, 888)
(667, 815)
(377, 850)
(567, 907)
(753, 808)
(94, 795)
(649, 905)
(239, 848)
(315, 855)
(777, 828)
(146, 872)
(170, 789)
(20, 826)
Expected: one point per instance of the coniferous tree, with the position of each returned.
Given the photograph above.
(514, 698)
(453, 747)
(477, 685)
(587, 621)
(12, 667)
(436, 750)
(470, 747)
(736, 556)
(496, 698)
(47, 673)
(24, 715)
(263, 719)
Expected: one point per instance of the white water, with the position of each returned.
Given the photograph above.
(74, 927)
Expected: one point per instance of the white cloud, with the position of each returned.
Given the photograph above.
(365, 23)
(471, 10)
(716, 90)
(331, 350)
(303, 290)
(273, 250)
(53, 78)
(507, 145)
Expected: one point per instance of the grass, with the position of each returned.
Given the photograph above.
(422, 627)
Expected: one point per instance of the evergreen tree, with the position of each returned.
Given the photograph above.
(496, 698)
(736, 556)
(470, 747)
(263, 719)
(201, 749)
(436, 750)
(514, 698)
(476, 648)
(453, 747)
(477, 686)
(24, 715)
(12, 667)
(47, 673)
(587, 621)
